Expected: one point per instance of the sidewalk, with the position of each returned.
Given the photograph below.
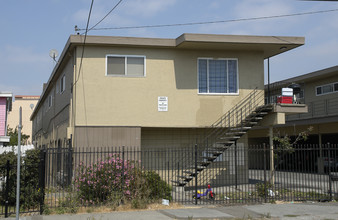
(292, 211)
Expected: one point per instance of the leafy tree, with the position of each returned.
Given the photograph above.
(283, 145)
(13, 133)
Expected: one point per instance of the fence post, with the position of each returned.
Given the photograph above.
(42, 179)
(236, 174)
(7, 188)
(195, 174)
(122, 175)
(264, 162)
(70, 160)
(329, 165)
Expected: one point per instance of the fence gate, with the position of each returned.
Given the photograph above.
(32, 174)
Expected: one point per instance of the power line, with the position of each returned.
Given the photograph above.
(215, 22)
(84, 41)
(78, 75)
(104, 16)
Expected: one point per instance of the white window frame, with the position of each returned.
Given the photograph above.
(62, 84)
(126, 66)
(326, 93)
(207, 93)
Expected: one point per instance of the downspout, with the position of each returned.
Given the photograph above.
(268, 81)
(73, 100)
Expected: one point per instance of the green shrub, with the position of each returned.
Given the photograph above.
(159, 189)
(113, 180)
(96, 183)
(30, 193)
(262, 188)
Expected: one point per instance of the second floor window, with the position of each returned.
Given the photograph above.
(326, 89)
(50, 101)
(121, 65)
(63, 84)
(217, 76)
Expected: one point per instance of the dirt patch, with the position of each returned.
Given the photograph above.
(127, 208)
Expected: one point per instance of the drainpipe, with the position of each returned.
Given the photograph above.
(268, 81)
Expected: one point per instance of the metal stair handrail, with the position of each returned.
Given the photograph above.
(249, 103)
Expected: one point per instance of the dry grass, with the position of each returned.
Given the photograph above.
(125, 208)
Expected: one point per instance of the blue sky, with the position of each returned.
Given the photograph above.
(30, 29)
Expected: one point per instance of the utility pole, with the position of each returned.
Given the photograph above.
(18, 166)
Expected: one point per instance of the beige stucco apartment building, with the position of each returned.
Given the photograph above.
(149, 92)
(27, 103)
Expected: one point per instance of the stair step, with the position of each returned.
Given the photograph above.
(253, 118)
(260, 113)
(186, 177)
(222, 148)
(199, 167)
(235, 132)
(240, 128)
(211, 158)
(204, 163)
(191, 173)
(180, 182)
(226, 142)
(251, 122)
(230, 138)
(214, 152)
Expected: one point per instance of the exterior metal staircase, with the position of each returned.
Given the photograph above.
(222, 134)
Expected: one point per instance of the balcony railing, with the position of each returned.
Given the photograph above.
(317, 109)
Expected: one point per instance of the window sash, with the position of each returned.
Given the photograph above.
(217, 76)
(121, 65)
(327, 89)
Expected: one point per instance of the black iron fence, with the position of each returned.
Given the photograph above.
(75, 177)
(31, 184)
(241, 174)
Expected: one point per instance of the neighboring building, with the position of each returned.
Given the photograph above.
(5, 107)
(319, 91)
(149, 92)
(28, 104)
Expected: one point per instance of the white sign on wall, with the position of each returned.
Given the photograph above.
(162, 103)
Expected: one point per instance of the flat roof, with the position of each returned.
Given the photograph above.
(269, 45)
(327, 72)
(6, 94)
(28, 97)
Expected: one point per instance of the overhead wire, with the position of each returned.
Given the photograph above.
(78, 75)
(84, 42)
(215, 22)
(105, 16)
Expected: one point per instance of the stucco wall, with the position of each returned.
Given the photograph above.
(54, 121)
(28, 104)
(126, 101)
